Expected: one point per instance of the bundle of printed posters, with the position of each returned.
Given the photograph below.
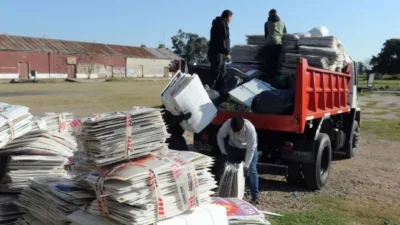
(35, 154)
(240, 212)
(245, 53)
(15, 121)
(113, 137)
(255, 39)
(153, 188)
(53, 123)
(52, 199)
(185, 93)
(9, 212)
(232, 183)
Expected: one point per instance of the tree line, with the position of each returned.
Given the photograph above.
(387, 61)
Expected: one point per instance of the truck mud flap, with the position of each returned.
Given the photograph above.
(305, 155)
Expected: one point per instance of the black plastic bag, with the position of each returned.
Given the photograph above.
(274, 102)
(230, 83)
(283, 82)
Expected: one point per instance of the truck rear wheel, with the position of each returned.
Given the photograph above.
(316, 174)
(294, 175)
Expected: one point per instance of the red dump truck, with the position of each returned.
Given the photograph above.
(325, 120)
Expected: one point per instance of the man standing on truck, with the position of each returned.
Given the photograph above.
(274, 29)
(241, 146)
(219, 47)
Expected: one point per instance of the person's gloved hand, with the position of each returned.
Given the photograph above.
(246, 171)
(186, 116)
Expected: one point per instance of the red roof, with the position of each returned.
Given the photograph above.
(30, 44)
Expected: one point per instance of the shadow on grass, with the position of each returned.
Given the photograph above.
(281, 186)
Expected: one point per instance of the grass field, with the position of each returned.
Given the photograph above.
(383, 84)
(339, 211)
(84, 99)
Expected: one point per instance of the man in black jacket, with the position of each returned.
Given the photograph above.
(176, 141)
(219, 47)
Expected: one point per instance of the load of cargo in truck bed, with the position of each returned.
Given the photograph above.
(248, 88)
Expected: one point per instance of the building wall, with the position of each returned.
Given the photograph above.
(9, 62)
(147, 67)
(56, 66)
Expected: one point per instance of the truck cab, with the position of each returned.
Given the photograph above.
(325, 121)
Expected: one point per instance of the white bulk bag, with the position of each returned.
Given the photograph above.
(320, 31)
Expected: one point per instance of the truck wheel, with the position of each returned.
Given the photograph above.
(316, 174)
(294, 175)
(351, 148)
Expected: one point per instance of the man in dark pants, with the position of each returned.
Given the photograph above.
(241, 146)
(219, 47)
(176, 141)
(274, 29)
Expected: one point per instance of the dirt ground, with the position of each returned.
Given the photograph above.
(371, 178)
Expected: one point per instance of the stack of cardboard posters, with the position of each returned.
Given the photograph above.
(53, 123)
(9, 212)
(15, 121)
(52, 199)
(35, 154)
(152, 188)
(113, 137)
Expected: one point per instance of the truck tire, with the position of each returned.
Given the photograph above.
(351, 148)
(294, 174)
(316, 174)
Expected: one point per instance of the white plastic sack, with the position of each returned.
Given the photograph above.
(320, 31)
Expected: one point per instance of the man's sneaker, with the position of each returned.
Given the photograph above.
(255, 201)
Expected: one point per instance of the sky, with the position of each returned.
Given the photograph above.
(361, 25)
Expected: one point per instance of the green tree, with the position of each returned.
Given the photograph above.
(191, 47)
(143, 45)
(161, 46)
(361, 67)
(388, 60)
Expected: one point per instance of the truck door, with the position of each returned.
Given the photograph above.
(353, 84)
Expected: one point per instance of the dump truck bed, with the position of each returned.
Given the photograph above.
(318, 93)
